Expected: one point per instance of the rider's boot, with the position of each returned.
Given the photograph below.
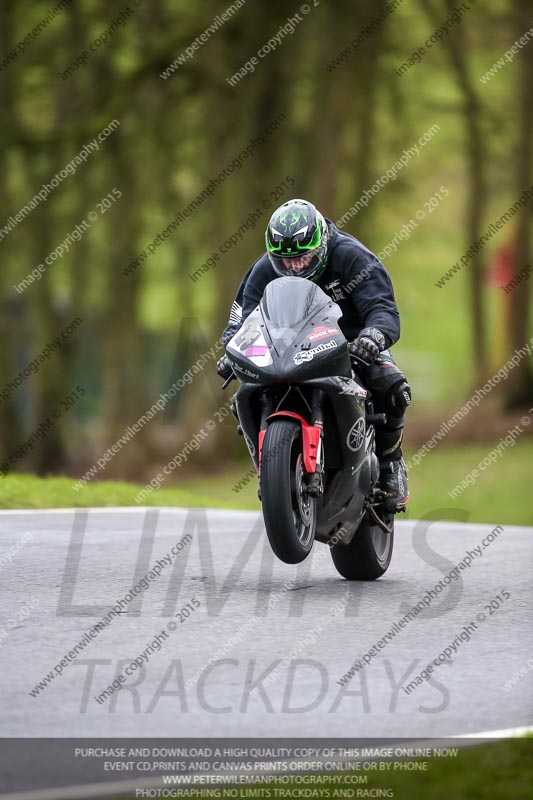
(392, 471)
(393, 481)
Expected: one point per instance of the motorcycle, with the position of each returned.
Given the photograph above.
(309, 426)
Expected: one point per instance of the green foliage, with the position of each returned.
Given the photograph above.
(439, 473)
(343, 130)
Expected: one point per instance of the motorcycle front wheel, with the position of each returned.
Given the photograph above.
(288, 510)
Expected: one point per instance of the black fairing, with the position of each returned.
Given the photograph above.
(292, 336)
(287, 349)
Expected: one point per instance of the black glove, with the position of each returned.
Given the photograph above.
(368, 345)
(224, 367)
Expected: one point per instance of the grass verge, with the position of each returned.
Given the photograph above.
(500, 495)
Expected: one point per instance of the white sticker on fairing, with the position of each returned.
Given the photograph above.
(250, 445)
(259, 353)
(308, 355)
(246, 371)
(305, 355)
(251, 343)
(321, 331)
(351, 387)
(247, 336)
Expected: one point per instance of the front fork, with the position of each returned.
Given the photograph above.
(267, 406)
(314, 482)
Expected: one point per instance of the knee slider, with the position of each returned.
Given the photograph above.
(399, 397)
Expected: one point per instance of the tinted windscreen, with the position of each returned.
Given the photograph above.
(289, 301)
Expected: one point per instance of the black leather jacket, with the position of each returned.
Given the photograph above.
(354, 278)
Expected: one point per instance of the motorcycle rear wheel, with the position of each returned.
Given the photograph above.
(369, 553)
(289, 512)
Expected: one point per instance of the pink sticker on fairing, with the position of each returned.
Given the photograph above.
(256, 350)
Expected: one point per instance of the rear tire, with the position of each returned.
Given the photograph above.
(368, 555)
(289, 513)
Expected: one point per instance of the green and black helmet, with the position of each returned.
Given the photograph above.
(297, 240)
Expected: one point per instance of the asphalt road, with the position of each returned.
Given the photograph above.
(251, 621)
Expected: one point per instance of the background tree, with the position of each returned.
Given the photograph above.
(347, 118)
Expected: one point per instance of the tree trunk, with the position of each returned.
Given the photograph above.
(519, 386)
(456, 47)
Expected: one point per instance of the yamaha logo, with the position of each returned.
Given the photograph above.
(356, 435)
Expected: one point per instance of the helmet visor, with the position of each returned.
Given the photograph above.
(303, 265)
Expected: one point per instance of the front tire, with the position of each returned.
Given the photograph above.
(288, 511)
(369, 553)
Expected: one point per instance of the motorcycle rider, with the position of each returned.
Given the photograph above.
(302, 243)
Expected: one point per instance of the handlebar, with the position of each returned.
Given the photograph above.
(359, 360)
